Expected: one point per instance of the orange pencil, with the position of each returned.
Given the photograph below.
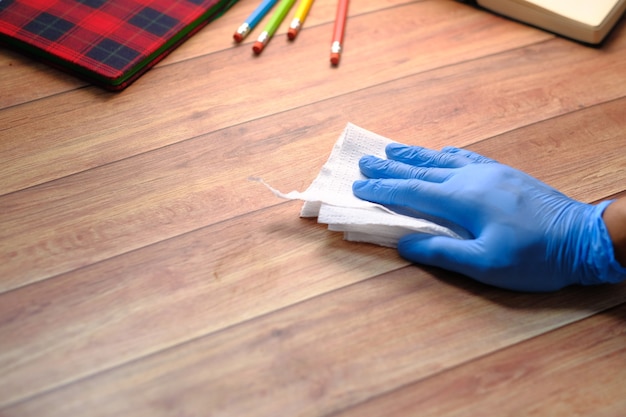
(340, 25)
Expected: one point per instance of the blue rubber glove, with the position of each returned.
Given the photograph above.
(527, 236)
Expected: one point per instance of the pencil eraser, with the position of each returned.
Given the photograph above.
(237, 37)
(334, 58)
(257, 47)
(292, 33)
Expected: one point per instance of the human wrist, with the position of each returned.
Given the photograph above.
(614, 218)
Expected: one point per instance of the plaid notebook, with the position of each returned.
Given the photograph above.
(108, 42)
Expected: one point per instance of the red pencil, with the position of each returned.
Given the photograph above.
(340, 25)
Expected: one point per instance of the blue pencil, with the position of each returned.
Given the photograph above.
(253, 19)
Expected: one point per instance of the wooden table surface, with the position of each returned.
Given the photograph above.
(143, 274)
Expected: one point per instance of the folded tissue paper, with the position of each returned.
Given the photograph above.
(330, 197)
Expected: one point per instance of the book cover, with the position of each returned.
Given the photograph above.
(587, 21)
(107, 42)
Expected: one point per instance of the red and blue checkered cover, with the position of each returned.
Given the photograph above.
(108, 42)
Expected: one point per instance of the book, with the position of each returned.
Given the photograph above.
(110, 43)
(587, 21)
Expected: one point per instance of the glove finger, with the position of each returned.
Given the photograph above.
(422, 196)
(373, 167)
(468, 154)
(467, 257)
(456, 255)
(424, 157)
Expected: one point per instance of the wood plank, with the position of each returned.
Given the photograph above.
(224, 274)
(326, 354)
(218, 36)
(213, 277)
(24, 79)
(86, 128)
(576, 370)
(142, 274)
(565, 164)
(73, 222)
(169, 293)
(21, 72)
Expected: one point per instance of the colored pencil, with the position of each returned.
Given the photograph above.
(338, 31)
(298, 20)
(275, 21)
(253, 19)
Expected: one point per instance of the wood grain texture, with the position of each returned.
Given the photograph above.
(21, 71)
(142, 273)
(189, 286)
(24, 79)
(331, 352)
(89, 119)
(576, 370)
(209, 271)
(175, 190)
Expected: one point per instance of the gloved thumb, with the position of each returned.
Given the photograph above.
(458, 255)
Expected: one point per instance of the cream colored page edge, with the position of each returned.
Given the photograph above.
(591, 13)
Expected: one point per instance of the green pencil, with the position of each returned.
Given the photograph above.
(272, 25)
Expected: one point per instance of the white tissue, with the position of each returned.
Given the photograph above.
(330, 197)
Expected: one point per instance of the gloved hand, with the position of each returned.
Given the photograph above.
(527, 236)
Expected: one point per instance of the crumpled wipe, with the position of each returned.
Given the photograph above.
(330, 197)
